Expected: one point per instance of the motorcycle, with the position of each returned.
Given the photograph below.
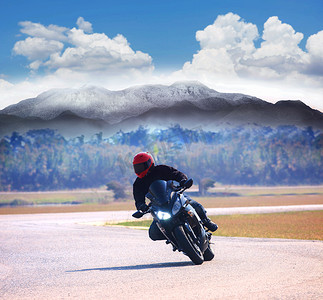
(178, 220)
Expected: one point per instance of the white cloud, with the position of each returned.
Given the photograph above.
(228, 32)
(51, 32)
(13, 93)
(228, 56)
(227, 48)
(280, 38)
(222, 45)
(35, 48)
(34, 66)
(84, 25)
(5, 84)
(314, 46)
(279, 53)
(98, 53)
(55, 47)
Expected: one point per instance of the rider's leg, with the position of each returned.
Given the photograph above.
(202, 214)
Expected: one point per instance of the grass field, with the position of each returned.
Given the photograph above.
(305, 225)
(102, 200)
(88, 196)
(296, 225)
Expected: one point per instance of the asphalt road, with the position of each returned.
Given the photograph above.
(54, 256)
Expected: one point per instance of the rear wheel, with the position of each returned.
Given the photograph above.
(187, 245)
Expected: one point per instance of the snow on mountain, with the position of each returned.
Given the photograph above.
(115, 106)
(91, 109)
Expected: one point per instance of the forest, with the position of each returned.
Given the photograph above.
(41, 160)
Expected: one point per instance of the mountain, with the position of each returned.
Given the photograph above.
(93, 109)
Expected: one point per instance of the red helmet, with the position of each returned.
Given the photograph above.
(142, 162)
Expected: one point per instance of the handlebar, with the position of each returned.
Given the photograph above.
(138, 214)
(186, 185)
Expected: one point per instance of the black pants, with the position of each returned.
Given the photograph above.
(155, 233)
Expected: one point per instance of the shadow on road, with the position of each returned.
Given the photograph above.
(138, 267)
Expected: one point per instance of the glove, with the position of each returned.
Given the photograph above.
(143, 207)
(186, 183)
(182, 182)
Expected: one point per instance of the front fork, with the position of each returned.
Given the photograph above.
(196, 230)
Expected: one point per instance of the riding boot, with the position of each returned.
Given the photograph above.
(209, 224)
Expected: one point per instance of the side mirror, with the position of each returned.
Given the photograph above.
(188, 183)
(138, 214)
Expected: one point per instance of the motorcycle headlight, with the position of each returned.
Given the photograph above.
(176, 207)
(163, 215)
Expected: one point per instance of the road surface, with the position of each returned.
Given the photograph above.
(61, 256)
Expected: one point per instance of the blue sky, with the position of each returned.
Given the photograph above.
(119, 43)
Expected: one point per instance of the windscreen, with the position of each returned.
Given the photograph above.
(160, 192)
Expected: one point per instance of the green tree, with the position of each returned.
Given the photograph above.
(204, 185)
(118, 190)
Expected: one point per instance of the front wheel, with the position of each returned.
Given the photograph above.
(187, 245)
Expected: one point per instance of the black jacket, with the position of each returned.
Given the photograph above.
(160, 172)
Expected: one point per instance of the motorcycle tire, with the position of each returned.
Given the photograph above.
(187, 246)
(208, 254)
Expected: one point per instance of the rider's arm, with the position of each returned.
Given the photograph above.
(170, 173)
(139, 195)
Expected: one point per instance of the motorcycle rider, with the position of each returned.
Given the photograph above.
(147, 173)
